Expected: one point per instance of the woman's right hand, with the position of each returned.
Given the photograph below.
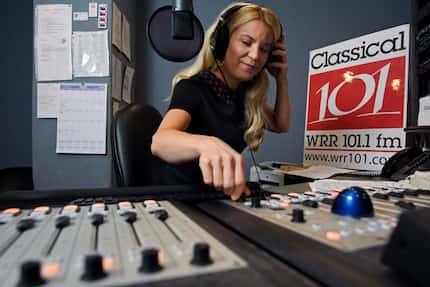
(222, 167)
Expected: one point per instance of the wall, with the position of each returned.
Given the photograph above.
(63, 171)
(16, 75)
(308, 25)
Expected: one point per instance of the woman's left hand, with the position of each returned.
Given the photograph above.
(279, 68)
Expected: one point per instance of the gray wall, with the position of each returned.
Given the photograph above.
(16, 74)
(308, 24)
(63, 171)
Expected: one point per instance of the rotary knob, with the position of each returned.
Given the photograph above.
(30, 274)
(93, 268)
(256, 201)
(201, 254)
(298, 216)
(150, 261)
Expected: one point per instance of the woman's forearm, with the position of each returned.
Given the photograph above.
(176, 146)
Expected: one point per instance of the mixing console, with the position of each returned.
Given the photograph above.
(309, 213)
(106, 245)
(334, 234)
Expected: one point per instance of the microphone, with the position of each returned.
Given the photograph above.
(182, 21)
(174, 31)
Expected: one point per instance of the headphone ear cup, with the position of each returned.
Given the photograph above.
(219, 41)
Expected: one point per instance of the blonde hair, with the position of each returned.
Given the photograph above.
(256, 90)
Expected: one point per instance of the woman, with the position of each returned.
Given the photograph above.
(219, 104)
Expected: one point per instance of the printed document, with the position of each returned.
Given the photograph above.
(47, 100)
(81, 125)
(53, 35)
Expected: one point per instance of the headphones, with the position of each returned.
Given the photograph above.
(221, 36)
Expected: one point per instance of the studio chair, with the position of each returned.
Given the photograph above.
(16, 178)
(132, 131)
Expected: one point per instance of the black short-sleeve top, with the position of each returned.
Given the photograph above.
(215, 110)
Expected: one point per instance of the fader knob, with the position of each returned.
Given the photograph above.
(97, 219)
(93, 268)
(62, 221)
(25, 224)
(130, 217)
(150, 261)
(161, 214)
(201, 254)
(30, 274)
(298, 216)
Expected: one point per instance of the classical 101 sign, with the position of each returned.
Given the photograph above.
(356, 104)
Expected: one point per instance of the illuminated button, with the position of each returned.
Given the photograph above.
(293, 194)
(333, 193)
(12, 211)
(393, 224)
(40, 212)
(285, 203)
(161, 257)
(125, 204)
(50, 270)
(309, 193)
(125, 207)
(108, 263)
(150, 202)
(276, 196)
(99, 208)
(70, 209)
(333, 235)
(45, 209)
(98, 205)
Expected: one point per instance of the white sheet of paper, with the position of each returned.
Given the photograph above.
(53, 34)
(116, 78)
(90, 54)
(319, 171)
(92, 9)
(127, 83)
(424, 111)
(125, 43)
(47, 100)
(116, 26)
(81, 125)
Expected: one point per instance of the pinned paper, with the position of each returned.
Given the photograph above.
(90, 54)
(53, 37)
(47, 100)
(92, 9)
(81, 125)
(127, 83)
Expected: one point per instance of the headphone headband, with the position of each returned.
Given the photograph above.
(221, 35)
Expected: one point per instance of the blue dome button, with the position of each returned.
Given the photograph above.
(353, 201)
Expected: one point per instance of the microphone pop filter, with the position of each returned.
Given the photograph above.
(176, 49)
